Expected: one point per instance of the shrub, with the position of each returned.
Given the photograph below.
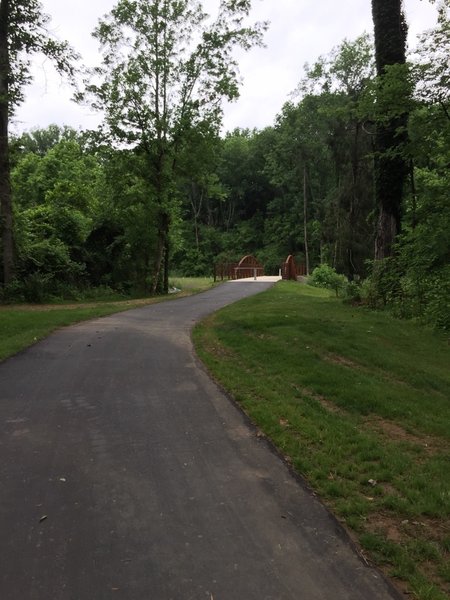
(410, 291)
(353, 292)
(383, 286)
(32, 288)
(325, 276)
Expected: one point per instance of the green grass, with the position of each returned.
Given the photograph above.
(349, 396)
(20, 328)
(193, 284)
(23, 325)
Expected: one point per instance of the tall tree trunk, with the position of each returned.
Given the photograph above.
(196, 211)
(161, 261)
(354, 201)
(338, 220)
(413, 195)
(390, 176)
(6, 216)
(166, 265)
(305, 221)
(390, 165)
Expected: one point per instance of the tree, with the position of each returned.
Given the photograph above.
(6, 225)
(321, 160)
(22, 33)
(40, 141)
(56, 204)
(432, 69)
(391, 135)
(156, 85)
(422, 262)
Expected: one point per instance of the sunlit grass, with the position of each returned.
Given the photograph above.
(360, 404)
(197, 284)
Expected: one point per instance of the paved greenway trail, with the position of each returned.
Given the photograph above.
(127, 474)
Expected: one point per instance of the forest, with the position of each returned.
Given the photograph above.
(352, 178)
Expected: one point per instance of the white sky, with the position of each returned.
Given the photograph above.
(300, 31)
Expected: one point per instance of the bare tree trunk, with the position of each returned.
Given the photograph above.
(305, 221)
(196, 211)
(338, 219)
(166, 265)
(413, 194)
(335, 253)
(6, 214)
(387, 232)
(162, 243)
(390, 175)
(353, 204)
(161, 260)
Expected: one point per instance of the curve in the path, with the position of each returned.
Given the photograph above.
(126, 473)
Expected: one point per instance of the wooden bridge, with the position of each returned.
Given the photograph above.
(248, 266)
(291, 270)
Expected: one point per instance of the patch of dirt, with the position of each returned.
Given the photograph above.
(218, 351)
(403, 531)
(327, 404)
(342, 360)
(265, 336)
(397, 433)
(390, 490)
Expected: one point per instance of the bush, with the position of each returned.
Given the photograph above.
(435, 299)
(32, 288)
(383, 286)
(13, 292)
(325, 276)
(353, 293)
(410, 290)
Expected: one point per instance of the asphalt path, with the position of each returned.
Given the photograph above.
(127, 474)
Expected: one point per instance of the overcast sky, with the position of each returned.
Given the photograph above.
(300, 31)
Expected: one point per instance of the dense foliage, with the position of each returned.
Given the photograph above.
(110, 208)
(23, 32)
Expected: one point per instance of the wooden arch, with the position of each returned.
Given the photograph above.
(290, 270)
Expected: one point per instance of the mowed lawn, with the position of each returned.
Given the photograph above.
(359, 404)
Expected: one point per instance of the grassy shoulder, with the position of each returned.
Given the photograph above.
(359, 403)
(23, 325)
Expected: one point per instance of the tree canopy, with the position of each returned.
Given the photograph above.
(166, 67)
(23, 32)
(158, 189)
